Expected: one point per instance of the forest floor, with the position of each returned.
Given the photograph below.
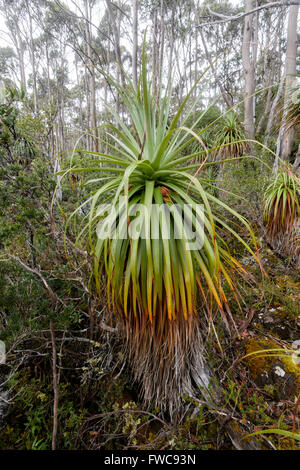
(99, 407)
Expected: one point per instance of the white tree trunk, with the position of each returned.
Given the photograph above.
(135, 41)
(286, 136)
(249, 71)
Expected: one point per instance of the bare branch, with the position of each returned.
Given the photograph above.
(224, 18)
(53, 297)
(55, 386)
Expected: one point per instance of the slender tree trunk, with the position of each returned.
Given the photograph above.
(254, 61)
(106, 95)
(20, 50)
(51, 144)
(196, 61)
(172, 40)
(94, 112)
(91, 78)
(15, 34)
(135, 42)
(278, 93)
(269, 67)
(88, 108)
(33, 65)
(213, 69)
(249, 72)
(79, 92)
(286, 136)
(116, 34)
(154, 52)
(161, 42)
(56, 169)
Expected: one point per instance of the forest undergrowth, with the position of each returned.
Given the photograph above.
(98, 406)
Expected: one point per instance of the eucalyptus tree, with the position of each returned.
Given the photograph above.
(13, 11)
(221, 49)
(134, 41)
(91, 84)
(114, 14)
(8, 64)
(249, 58)
(269, 69)
(286, 134)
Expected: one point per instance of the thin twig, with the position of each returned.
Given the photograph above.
(55, 387)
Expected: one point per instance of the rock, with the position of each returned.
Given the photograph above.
(268, 319)
(280, 372)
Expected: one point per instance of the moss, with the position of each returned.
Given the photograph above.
(287, 444)
(291, 367)
(257, 363)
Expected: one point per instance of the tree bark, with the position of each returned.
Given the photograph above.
(33, 65)
(20, 50)
(213, 69)
(286, 136)
(172, 40)
(272, 112)
(116, 34)
(249, 71)
(135, 42)
(154, 52)
(161, 41)
(91, 98)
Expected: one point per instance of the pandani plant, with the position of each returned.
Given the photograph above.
(157, 288)
(230, 138)
(282, 212)
(229, 142)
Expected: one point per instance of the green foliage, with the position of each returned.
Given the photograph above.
(26, 230)
(230, 138)
(252, 406)
(153, 279)
(152, 159)
(280, 432)
(282, 202)
(15, 146)
(147, 162)
(30, 421)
